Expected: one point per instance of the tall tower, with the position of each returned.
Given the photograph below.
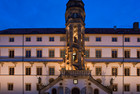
(75, 30)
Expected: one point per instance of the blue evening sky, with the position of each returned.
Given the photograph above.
(51, 13)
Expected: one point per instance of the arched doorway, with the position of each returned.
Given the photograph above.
(96, 91)
(75, 91)
(54, 91)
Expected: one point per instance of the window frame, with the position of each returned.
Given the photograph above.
(114, 55)
(114, 39)
(39, 72)
(27, 72)
(98, 39)
(126, 89)
(29, 53)
(39, 39)
(99, 55)
(11, 53)
(11, 70)
(87, 55)
(62, 55)
(99, 73)
(28, 39)
(11, 39)
(51, 39)
(125, 71)
(50, 71)
(50, 55)
(10, 86)
(114, 74)
(127, 55)
(28, 87)
(39, 53)
(127, 39)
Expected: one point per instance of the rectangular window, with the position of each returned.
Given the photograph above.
(86, 39)
(138, 39)
(39, 71)
(28, 71)
(62, 53)
(127, 54)
(138, 54)
(10, 87)
(28, 87)
(28, 53)
(11, 71)
(11, 39)
(11, 54)
(37, 87)
(114, 71)
(114, 54)
(98, 39)
(39, 39)
(114, 39)
(62, 38)
(28, 39)
(138, 71)
(86, 53)
(51, 39)
(126, 87)
(138, 88)
(98, 71)
(98, 53)
(127, 71)
(51, 71)
(51, 53)
(127, 39)
(115, 87)
(39, 53)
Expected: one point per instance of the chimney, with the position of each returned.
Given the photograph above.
(136, 26)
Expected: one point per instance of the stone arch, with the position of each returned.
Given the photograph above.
(54, 91)
(51, 80)
(96, 91)
(75, 90)
(90, 90)
(60, 90)
(99, 80)
(83, 90)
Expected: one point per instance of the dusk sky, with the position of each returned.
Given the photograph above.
(51, 13)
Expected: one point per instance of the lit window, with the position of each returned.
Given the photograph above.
(51, 39)
(86, 53)
(138, 71)
(115, 87)
(28, 71)
(39, 53)
(51, 71)
(62, 53)
(51, 53)
(98, 53)
(11, 39)
(138, 54)
(98, 71)
(114, 53)
(11, 54)
(138, 88)
(138, 39)
(127, 71)
(39, 39)
(127, 39)
(127, 54)
(28, 39)
(28, 87)
(39, 71)
(28, 53)
(98, 39)
(10, 87)
(114, 39)
(11, 71)
(114, 71)
(62, 39)
(75, 81)
(126, 87)
(86, 38)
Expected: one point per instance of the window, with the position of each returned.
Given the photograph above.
(11, 39)
(138, 71)
(28, 53)
(28, 71)
(127, 71)
(37, 87)
(127, 54)
(98, 71)
(138, 88)
(51, 39)
(39, 53)
(86, 53)
(138, 39)
(127, 39)
(11, 53)
(62, 53)
(127, 87)
(28, 39)
(11, 71)
(114, 53)
(39, 71)
(114, 39)
(138, 54)
(39, 39)
(28, 87)
(98, 39)
(114, 71)
(115, 88)
(86, 38)
(98, 53)
(51, 71)
(10, 87)
(51, 53)
(62, 39)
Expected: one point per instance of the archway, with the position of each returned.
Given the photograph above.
(96, 91)
(54, 91)
(75, 91)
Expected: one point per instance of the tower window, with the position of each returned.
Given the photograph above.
(39, 39)
(127, 39)
(98, 39)
(51, 39)
(10, 87)
(114, 39)
(11, 39)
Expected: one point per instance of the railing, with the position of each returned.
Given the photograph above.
(75, 72)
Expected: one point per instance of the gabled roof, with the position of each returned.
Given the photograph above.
(62, 31)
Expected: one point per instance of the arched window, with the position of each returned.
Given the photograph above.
(75, 91)
(54, 91)
(96, 91)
